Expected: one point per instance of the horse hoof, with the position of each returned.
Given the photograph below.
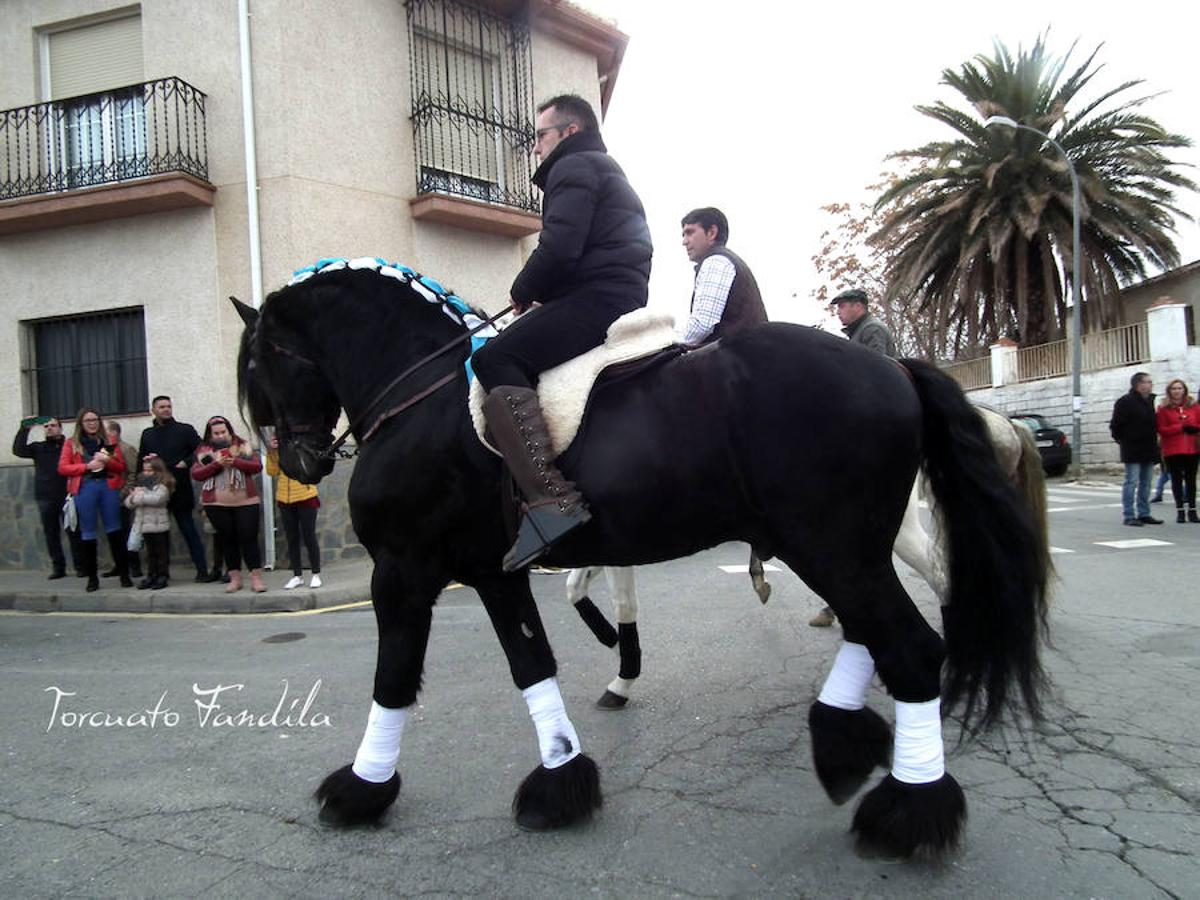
(609, 700)
(764, 592)
(847, 745)
(556, 798)
(347, 799)
(899, 821)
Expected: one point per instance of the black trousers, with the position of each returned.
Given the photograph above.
(1183, 478)
(238, 528)
(300, 522)
(50, 513)
(158, 554)
(545, 337)
(183, 506)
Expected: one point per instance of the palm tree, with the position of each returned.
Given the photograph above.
(979, 234)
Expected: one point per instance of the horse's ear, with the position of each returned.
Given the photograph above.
(248, 313)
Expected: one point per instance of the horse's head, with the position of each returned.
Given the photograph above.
(280, 384)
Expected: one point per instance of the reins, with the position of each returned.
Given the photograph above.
(334, 449)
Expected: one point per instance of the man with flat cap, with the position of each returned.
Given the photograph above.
(862, 328)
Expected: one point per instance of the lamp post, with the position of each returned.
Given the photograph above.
(1077, 315)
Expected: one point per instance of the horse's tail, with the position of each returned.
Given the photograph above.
(995, 608)
(1030, 479)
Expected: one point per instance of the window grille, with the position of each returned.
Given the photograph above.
(472, 110)
(97, 359)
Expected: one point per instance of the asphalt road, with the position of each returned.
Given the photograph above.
(707, 773)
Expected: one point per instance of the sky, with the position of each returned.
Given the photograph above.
(770, 111)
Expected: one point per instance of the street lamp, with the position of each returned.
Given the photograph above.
(1077, 316)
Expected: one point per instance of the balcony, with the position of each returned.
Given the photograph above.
(133, 150)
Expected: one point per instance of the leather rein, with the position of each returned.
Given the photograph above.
(335, 449)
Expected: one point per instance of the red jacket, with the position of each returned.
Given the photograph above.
(1170, 421)
(72, 464)
(249, 465)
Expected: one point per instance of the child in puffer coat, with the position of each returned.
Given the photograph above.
(152, 519)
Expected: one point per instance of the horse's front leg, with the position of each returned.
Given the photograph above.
(362, 792)
(565, 787)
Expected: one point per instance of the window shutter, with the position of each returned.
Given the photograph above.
(96, 57)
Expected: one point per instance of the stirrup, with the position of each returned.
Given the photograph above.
(541, 527)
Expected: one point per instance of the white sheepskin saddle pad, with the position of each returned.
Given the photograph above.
(563, 390)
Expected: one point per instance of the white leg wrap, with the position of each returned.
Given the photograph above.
(621, 686)
(380, 747)
(918, 756)
(557, 740)
(846, 686)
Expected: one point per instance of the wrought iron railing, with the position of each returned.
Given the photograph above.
(472, 109)
(972, 373)
(152, 128)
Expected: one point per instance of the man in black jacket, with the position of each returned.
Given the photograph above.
(174, 443)
(591, 266)
(1133, 427)
(49, 488)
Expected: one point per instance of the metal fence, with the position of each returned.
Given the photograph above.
(972, 373)
(152, 128)
(1122, 346)
(472, 109)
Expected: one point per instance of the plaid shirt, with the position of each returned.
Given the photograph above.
(714, 278)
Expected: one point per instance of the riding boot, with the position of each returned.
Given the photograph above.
(1180, 519)
(1192, 517)
(87, 561)
(116, 546)
(552, 506)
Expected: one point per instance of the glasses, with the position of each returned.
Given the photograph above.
(542, 132)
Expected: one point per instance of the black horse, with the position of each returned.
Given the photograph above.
(798, 443)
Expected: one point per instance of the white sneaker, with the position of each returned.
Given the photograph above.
(316, 582)
(294, 582)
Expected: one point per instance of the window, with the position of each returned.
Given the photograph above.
(472, 112)
(96, 70)
(98, 359)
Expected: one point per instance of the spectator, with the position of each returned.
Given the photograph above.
(175, 443)
(130, 455)
(149, 499)
(298, 505)
(49, 488)
(725, 296)
(95, 475)
(226, 465)
(1178, 422)
(1134, 427)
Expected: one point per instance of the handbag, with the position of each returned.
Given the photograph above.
(134, 543)
(70, 519)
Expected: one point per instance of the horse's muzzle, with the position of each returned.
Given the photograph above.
(305, 460)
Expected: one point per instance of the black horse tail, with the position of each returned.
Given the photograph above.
(994, 615)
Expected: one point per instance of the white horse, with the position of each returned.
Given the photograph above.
(1018, 455)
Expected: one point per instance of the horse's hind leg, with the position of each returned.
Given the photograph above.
(565, 787)
(757, 578)
(918, 807)
(624, 595)
(578, 582)
(916, 548)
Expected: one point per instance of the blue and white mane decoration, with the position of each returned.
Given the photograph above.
(451, 304)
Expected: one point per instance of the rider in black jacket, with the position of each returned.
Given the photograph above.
(591, 266)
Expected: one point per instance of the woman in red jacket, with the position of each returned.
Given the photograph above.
(226, 465)
(95, 473)
(1178, 425)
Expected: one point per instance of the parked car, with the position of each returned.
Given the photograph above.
(1052, 444)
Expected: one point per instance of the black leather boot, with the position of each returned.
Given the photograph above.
(116, 546)
(1180, 518)
(552, 506)
(1192, 517)
(87, 552)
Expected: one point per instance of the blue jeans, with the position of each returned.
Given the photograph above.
(1137, 477)
(97, 499)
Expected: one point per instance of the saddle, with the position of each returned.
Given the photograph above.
(635, 341)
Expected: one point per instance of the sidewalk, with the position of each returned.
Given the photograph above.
(344, 582)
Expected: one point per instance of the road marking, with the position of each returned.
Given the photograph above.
(1054, 550)
(1061, 496)
(1133, 544)
(1051, 509)
(745, 570)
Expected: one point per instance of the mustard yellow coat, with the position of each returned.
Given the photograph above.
(287, 490)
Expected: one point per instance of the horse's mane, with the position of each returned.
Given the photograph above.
(385, 283)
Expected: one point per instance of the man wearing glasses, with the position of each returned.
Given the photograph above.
(1134, 427)
(49, 488)
(591, 266)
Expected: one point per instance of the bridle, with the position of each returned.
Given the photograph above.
(334, 450)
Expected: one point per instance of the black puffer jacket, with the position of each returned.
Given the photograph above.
(1134, 426)
(47, 483)
(595, 241)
